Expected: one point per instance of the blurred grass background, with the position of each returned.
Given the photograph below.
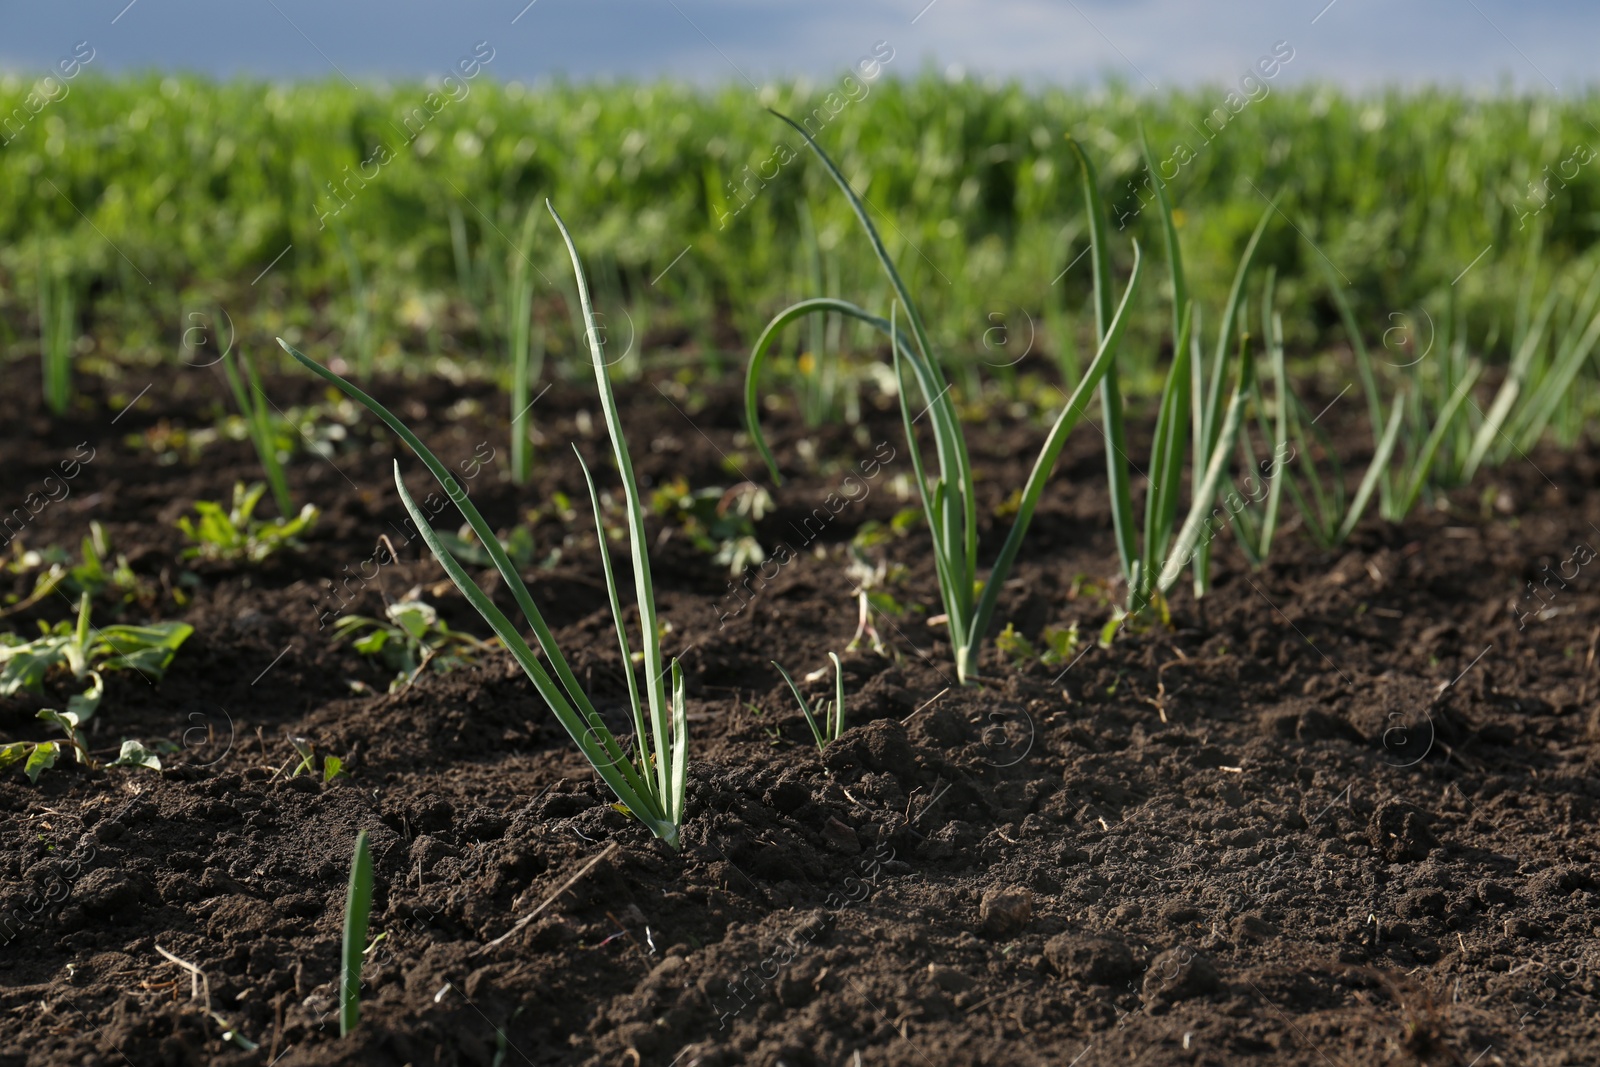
(148, 199)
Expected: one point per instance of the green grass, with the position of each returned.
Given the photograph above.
(144, 197)
(189, 189)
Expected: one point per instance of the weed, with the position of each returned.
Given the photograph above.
(719, 522)
(235, 534)
(80, 652)
(412, 638)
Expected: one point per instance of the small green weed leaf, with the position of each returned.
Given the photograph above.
(83, 705)
(42, 758)
(373, 643)
(885, 604)
(413, 616)
(1015, 646)
(235, 534)
(1061, 642)
(12, 754)
(147, 649)
(134, 754)
(25, 666)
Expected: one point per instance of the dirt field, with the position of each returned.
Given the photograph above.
(1342, 812)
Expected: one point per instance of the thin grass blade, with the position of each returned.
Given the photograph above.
(519, 302)
(836, 727)
(1167, 452)
(1169, 234)
(931, 496)
(1541, 406)
(589, 731)
(1423, 464)
(679, 778)
(1494, 419)
(1209, 429)
(1280, 439)
(956, 467)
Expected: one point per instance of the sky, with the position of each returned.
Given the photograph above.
(1481, 44)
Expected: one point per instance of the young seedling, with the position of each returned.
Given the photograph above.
(357, 910)
(1190, 407)
(524, 348)
(1396, 476)
(93, 574)
(58, 332)
(260, 423)
(413, 637)
(85, 651)
(81, 652)
(1060, 642)
(948, 501)
(651, 785)
(1255, 536)
(332, 766)
(720, 523)
(831, 712)
(236, 535)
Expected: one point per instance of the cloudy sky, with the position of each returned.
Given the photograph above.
(1534, 44)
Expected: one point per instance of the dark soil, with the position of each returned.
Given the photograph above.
(1342, 811)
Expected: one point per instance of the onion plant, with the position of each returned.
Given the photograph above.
(360, 333)
(57, 334)
(1255, 535)
(357, 910)
(1425, 411)
(1192, 428)
(525, 357)
(650, 784)
(948, 500)
(259, 423)
(1552, 346)
(830, 711)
